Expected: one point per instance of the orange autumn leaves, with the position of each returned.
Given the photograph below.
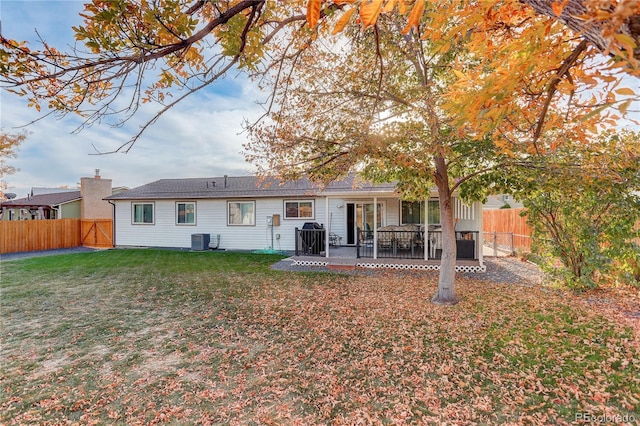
(507, 78)
(369, 11)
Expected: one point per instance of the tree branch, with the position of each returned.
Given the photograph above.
(553, 85)
(141, 57)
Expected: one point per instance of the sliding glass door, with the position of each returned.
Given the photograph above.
(361, 215)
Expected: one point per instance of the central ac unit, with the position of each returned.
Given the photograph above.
(200, 242)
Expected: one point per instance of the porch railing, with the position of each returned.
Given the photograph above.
(392, 243)
(403, 244)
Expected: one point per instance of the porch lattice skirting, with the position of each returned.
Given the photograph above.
(410, 266)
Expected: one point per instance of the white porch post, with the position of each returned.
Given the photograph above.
(375, 227)
(326, 231)
(425, 233)
(480, 242)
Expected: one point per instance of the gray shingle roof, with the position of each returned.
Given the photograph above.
(43, 200)
(243, 187)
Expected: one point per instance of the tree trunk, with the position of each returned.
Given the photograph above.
(446, 294)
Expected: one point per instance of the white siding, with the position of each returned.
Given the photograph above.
(211, 218)
(286, 230)
(469, 216)
(337, 222)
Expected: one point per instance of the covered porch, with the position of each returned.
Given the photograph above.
(380, 230)
(391, 253)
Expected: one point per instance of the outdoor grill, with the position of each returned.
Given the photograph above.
(313, 237)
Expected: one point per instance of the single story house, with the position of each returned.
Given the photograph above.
(86, 202)
(63, 204)
(502, 201)
(347, 218)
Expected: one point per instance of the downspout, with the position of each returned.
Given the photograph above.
(113, 225)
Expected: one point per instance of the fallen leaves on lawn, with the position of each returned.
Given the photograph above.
(328, 349)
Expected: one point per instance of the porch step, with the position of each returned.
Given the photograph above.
(338, 267)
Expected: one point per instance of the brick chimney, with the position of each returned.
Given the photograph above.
(93, 190)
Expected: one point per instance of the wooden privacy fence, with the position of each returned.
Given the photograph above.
(33, 235)
(508, 228)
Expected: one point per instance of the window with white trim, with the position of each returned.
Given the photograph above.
(186, 213)
(142, 213)
(298, 209)
(412, 212)
(241, 213)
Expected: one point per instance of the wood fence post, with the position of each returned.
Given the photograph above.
(513, 249)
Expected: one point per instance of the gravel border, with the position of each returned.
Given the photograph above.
(509, 270)
(30, 254)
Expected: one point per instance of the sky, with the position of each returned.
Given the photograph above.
(199, 137)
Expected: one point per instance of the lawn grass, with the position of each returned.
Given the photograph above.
(157, 336)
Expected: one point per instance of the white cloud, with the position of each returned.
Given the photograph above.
(198, 137)
(191, 140)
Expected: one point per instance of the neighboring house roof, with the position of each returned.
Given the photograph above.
(500, 201)
(41, 190)
(243, 187)
(43, 200)
(493, 203)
